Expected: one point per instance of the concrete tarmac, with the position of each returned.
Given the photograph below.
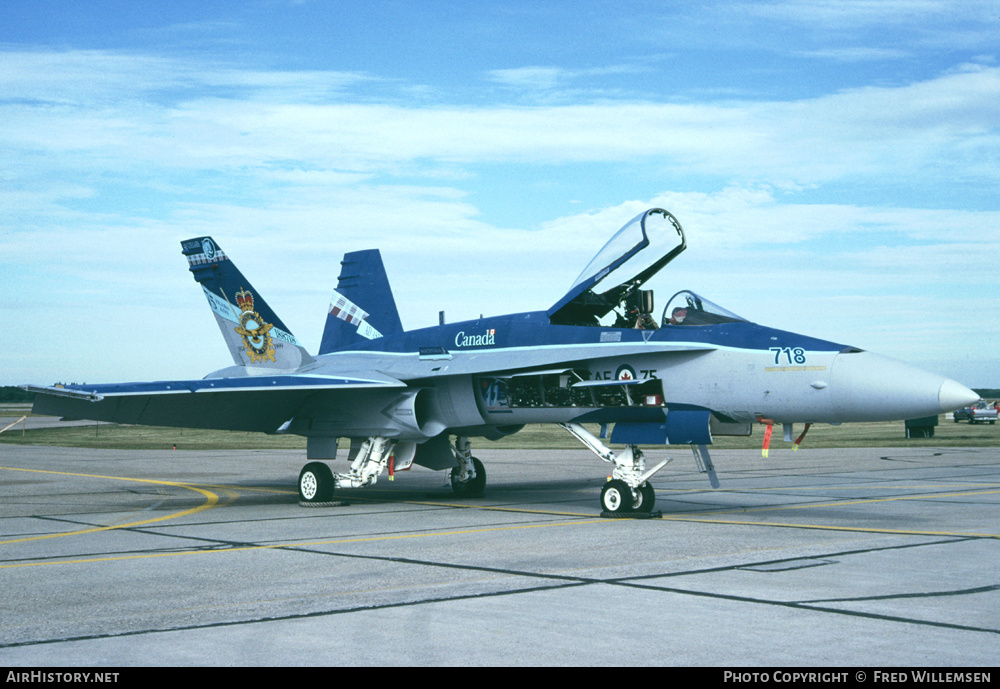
(865, 558)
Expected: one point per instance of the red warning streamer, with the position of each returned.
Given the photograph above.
(798, 441)
(767, 434)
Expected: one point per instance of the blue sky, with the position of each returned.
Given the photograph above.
(835, 165)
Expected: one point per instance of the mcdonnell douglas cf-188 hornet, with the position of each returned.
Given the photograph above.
(598, 356)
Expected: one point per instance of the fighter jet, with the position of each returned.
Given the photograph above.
(599, 356)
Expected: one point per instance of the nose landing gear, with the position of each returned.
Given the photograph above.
(628, 492)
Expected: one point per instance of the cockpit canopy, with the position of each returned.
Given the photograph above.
(687, 308)
(631, 257)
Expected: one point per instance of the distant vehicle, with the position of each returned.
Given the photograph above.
(978, 412)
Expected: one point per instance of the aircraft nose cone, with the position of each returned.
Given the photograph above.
(953, 395)
(869, 387)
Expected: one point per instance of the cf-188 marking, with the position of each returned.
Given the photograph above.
(596, 356)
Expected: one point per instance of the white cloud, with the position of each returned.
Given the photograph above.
(102, 78)
(105, 123)
(548, 78)
(529, 77)
(857, 54)
(857, 14)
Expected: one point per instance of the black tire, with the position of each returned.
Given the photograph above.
(616, 497)
(470, 489)
(316, 483)
(647, 499)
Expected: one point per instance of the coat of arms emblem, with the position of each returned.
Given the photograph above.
(255, 332)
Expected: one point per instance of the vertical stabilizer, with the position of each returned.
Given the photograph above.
(362, 307)
(255, 335)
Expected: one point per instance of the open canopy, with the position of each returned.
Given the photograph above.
(632, 256)
(611, 282)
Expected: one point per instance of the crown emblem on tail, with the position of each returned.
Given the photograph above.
(244, 300)
(255, 332)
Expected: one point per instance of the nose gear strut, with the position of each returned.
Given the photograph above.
(628, 492)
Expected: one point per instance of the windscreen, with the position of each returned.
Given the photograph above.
(688, 308)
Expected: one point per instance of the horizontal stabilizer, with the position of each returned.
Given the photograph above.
(96, 393)
(62, 391)
(250, 403)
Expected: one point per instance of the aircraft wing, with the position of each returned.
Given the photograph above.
(251, 403)
(590, 353)
(509, 360)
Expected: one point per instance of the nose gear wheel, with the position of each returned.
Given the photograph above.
(616, 497)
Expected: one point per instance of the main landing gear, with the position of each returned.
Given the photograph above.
(468, 479)
(628, 492)
(317, 482)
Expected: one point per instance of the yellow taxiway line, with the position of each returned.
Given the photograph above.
(305, 544)
(211, 500)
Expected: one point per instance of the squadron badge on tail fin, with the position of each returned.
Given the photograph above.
(255, 332)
